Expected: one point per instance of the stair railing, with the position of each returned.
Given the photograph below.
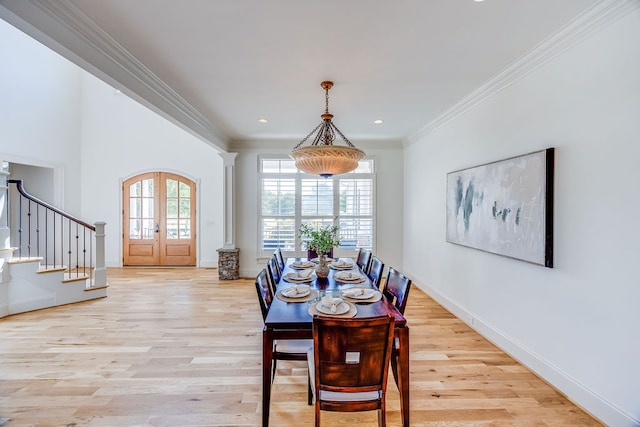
(61, 241)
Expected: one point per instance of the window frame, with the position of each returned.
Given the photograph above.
(298, 218)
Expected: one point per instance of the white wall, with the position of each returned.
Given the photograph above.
(38, 181)
(39, 113)
(54, 115)
(578, 324)
(120, 139)
(389, 178)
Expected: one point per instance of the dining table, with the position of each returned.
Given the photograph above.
(292, 318)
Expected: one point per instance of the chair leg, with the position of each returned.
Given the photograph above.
(309, 392)
(273, 369)
(394, 365)
(382, 417)
(317, 413)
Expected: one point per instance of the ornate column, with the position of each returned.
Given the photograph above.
(228, 255)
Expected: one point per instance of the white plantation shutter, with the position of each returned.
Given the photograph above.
(289, 198)
(356, 213)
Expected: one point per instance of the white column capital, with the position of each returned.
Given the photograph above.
(228, 158)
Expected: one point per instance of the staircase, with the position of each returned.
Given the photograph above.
(50, 258)
(32, 287)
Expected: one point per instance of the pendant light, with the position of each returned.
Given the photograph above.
(321, 157)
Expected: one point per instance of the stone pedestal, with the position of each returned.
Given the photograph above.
(228, 264)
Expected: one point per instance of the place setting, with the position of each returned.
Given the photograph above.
(330, 306)
(361, 295)
(297, 293)
(348, 277)
(301, 276)
(341, 264)
(302, 265)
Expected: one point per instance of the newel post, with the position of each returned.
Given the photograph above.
(100, 278)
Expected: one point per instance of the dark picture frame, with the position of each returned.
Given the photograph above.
(505, 207)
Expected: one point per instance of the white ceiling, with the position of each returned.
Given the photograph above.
(216, 67)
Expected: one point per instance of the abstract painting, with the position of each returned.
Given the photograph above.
(505, 207)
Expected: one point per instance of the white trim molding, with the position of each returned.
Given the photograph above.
(599, 407)
(599, 16)
(64, 28)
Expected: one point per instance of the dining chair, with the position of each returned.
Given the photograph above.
(280, 258)
(349, 364)
(375, 271)
(282, 349)
(274, 273)
(363, 260)
(396, 289)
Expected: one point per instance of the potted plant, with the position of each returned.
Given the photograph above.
(321, 240)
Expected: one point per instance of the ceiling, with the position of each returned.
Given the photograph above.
(216, 67)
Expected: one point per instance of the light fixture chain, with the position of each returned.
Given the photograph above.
(307, 137)
(326, 100)
(342, 135)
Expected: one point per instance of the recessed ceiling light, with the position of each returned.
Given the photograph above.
(478, 1)
(378, 121)
(263, 121)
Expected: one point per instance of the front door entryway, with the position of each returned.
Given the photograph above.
(159, 213)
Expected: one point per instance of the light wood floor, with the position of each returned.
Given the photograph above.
(178, 347)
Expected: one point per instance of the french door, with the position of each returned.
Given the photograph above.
(159, 218)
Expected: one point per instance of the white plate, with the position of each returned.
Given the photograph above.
(341, 266)
(348, 277)
(299, 294)
(368, 293)
(302, 265)
(342, 308)
(293, 277)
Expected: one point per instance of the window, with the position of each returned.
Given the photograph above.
(290, 197)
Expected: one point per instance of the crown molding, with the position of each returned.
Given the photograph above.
(599, 16)
(64, 28)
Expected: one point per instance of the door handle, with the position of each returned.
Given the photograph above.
(157, 228)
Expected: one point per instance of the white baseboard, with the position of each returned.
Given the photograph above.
(209, 263)
(591, 402)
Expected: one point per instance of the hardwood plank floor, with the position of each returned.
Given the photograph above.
(178, 347)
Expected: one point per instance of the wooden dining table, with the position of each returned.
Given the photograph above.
(292, 320)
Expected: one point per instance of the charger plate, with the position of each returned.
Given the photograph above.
(313, 294)
(351, 313)
(376, 296)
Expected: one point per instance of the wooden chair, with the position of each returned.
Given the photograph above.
(375, 271)
(282, 349)
(349, 364)
(265, 296)
(274, 273)
(396, 289)
(280, 258)
(363, 260)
